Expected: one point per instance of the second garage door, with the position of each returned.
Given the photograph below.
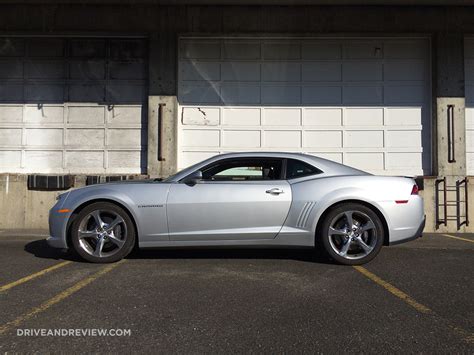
(361, 102)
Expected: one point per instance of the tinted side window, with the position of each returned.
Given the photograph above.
(243, 170)
(296, 169)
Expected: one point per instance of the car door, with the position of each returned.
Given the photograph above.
(236, 199)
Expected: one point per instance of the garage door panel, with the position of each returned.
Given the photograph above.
(363, 95)
(45, 69)
(124, 115)
(10, 159)
(322, 95)
(86, 93)
(11, 69)
(11, 114)
(44, 114)
(241, 50)
(246, 94)
(199, 93)
(322, 139)
(209, 116)
(123, 137)
(44, 137)
(124, 161)
(45, 92)
(281, 71)
(364, 117)
(363, 139)
(85, 137)
(403, 116)
(285, 139)
(11, 92)
(322, 117)
(401, 94)
(281, 95)
(282, 117)
(46, 47)
(12, 47)
(200, 71)
(241, 139)
(402, 139)
(86, 115)
(353, 101)
(201, 138)
(403, 160)
(363, 50)
(127, 70)
(365, 161)
(241, 116)
(362, 71)
(85, 161)
(413, 70)
(235, 71)
(281, 51)
(87, 70)
(45, 160)
(87, 48)
(10, 136)
(321, 71)
(405, 49)
(323, 50)
(200, 50)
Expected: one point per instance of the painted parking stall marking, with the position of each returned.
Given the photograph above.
(58, 298)
(33, 276)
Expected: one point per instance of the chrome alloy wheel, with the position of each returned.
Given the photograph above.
(102, 233)
(352, 235)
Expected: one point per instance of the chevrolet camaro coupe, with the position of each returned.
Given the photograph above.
(243, 200)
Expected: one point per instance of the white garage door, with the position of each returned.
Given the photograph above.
(362, 102)
(72, 105)
(469, 85)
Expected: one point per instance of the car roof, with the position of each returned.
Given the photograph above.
(328, 167)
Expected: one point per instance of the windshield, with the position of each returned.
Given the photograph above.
(189, 169)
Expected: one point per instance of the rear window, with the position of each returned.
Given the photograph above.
(297, 168)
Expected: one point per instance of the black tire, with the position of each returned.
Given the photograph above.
(364, 245)
(111, 249)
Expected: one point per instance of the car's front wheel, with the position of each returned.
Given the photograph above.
(352, 234)
(102, 233)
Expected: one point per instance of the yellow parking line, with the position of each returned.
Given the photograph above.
(459, 238)
(32, 276)
(393, 290)
(58, 298)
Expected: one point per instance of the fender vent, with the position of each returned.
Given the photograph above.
(304, 214)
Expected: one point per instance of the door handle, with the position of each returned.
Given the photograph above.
(274, 191)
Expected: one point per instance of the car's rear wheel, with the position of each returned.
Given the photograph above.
(103, 233)
(352, 234)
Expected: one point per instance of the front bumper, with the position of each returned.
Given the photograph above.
(418, 234)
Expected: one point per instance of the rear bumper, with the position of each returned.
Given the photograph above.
(418, 234)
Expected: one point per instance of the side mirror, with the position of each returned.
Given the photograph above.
(193, 179)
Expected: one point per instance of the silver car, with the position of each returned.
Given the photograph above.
(243, 200)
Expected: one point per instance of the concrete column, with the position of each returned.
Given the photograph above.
(449, 92)
(162, 123)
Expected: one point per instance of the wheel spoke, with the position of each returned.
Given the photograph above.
(87, 234)
(334, 231)
(349, 220)
(98, 247)
(118, 242)
(364, 246)
(109, 227)
(368, 226)
(345, 248)
(98, 221)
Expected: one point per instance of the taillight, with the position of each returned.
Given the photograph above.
(415, 190)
